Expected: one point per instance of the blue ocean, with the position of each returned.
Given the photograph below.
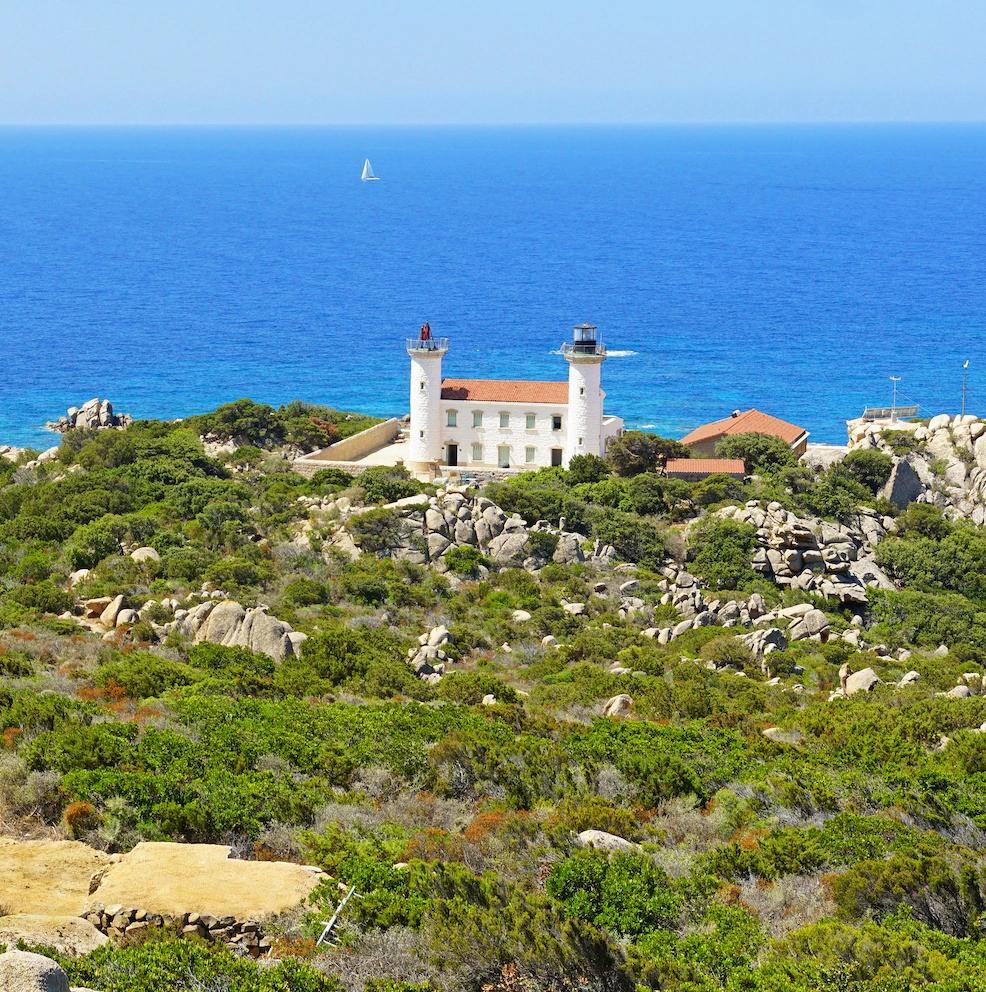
(789, 268)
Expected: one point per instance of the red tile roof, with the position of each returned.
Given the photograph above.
(505, 391)
(748, 422)
(704, 466)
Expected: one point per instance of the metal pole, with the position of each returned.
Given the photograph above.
(965, 383)
(893, 407)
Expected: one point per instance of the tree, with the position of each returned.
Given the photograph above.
(759, 452)
(635, 452)
(632, 453)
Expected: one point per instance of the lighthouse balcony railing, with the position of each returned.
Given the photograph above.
(584, 348)
(428, 344)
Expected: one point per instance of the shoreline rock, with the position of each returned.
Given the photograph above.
(94, 414)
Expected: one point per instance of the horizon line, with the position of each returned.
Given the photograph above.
(317, 125)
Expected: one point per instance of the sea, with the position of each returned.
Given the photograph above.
(793, 269)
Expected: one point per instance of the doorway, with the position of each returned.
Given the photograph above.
(452, 455)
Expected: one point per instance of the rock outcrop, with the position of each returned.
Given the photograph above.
(11, 453)
(429, 527)
(816, 555)
(21, 971)
(232, 625)
(429, 658)
(603, 841)
(66, 934)
(945, 466)
(94, 414)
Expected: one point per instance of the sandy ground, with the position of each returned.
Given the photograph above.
(201, 878)
(44, 876)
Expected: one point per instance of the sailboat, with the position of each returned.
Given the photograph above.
(367, 175)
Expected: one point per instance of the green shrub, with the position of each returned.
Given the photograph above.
(465, 560)
(868, 467)
(542, 544)
(386, 484)
(469, 688)
(759, 452)
(721, 552)
(45, 597)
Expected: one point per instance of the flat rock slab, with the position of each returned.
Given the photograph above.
(67, 934)
(49, 877)
(203, 878)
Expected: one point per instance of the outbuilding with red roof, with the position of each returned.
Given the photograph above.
(703, 440)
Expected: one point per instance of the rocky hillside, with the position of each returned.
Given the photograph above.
(589, 728)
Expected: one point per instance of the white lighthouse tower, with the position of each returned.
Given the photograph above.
(585, 355)
(425, 440)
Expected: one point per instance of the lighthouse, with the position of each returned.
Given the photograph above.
(425, 433)
(585, 355)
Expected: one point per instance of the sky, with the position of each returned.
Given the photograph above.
(495, 62)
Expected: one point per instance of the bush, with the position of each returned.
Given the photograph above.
(542, 544)
(465, 560)
(759, 452)
(587, 468)
(45, 597)
(305, 592)
(634, 539)
(330, 480)
(718, 488)
(384, 484)
(721, 552)
(143, 675)
(624, 893)
(868, 467)
(469, 688)
(727, 651)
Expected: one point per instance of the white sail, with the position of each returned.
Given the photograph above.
(368, 175)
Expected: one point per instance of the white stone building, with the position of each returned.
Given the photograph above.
(487, 424)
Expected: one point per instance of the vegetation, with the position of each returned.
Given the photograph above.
(849, 859)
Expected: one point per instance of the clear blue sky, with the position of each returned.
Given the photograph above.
(490, 61)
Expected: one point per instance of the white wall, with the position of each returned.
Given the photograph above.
(425, 433)
(542, 438)
(585, 404)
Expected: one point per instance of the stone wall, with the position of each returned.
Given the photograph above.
(116, 921)
(350, 449)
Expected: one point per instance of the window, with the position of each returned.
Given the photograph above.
(581, 390)
(504, 419)
(529, 455)
(477, 418)
(477, 451)
(580, 442)
(531, 421)
(421, 385)
(556, 422)
(503, 456)
(421, 434)
(451, 417)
